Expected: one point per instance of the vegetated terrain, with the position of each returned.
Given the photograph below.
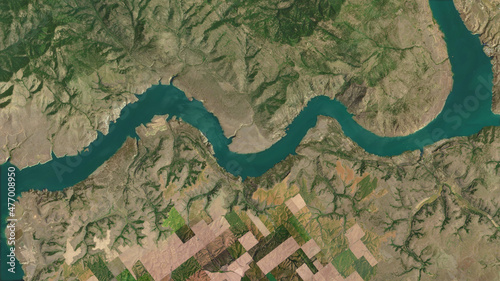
(433, 216)
(67, 68)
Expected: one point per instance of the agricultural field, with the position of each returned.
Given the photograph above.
(323, 211)
(163, 207)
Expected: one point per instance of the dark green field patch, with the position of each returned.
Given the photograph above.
(270, 276)
(185, 270)
(174, 220)
(4, 104)
(236, 250)
(140, 271)
(269, 243)
(100, 270)
(125, 276)
(7, 93)
(297, 230)
(344, 262)
(184, 233)
(365, 187)
(307, 261)
(365, 270)
(146, 277)
(237, 226)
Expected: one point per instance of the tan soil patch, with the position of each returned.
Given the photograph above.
(248, 241)
(354, 277)
(235, 270)
(86, 275)
(305, 273)
(360, 250)
(278, 255)
(162, 261)
(354, 233)
(310, 248)
(340, 170)
(70, 253)
(329, 272)
(259, 224)
(93, 278)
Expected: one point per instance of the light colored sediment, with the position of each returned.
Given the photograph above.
(249, 139)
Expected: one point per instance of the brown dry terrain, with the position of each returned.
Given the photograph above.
(386, 62)
(433, 216)
(410, 217)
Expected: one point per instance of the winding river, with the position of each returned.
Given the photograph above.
(467, 110)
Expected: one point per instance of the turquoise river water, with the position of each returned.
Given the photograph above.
(467, 110)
